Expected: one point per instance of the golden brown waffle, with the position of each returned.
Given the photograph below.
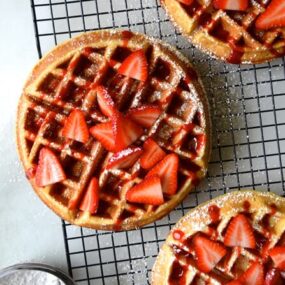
(227, 35)
(176, 260)
(64, 79)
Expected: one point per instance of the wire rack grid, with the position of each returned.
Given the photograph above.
(248, 107)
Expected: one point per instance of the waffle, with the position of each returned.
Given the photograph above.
(227, 35)
(176, 263)
(65, 79)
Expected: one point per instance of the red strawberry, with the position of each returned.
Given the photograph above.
(278, 256)
(125, 131)
(234, 282)
(104, 134)
(124, 158)
(186, 2)
(90, 200)
(145, 115)
(273, 277)
(49, 170)
(167, 171)
(75, 127)
(253, 276)
(152, 154)
(208, 253)
(147, 192)
(238, 5)
(135, 66)
(273, 17)
(105, 101)
(240, 233)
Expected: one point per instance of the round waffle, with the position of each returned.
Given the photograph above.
(88, 190)
(226, 34)
(242, 228)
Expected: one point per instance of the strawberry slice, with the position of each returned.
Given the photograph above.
(90, 200)
(152, 154)
(186, 2)
(104, 134)
(253, 276)
(273, 277)
(147, 192)
(208, 253)
(124, 158)
(105, 101)
(75, 127)
(240, 233)
(49, 170)
(167, 171)
(145, 115)
(278, 256)
(237, 5)
(135, 66)
(125, 131)
(273, 17)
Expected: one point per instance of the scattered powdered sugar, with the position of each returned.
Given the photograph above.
(30, 277)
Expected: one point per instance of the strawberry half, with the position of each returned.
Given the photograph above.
(278, 256)
(124, 158)
(208, 253)
(167, 171)
(273, 17)
(152, 154)
(105, 101)
(75, 127)
(237, 5)
(49, 170)
(273, 277)
(90, 200)
(240, 233)
(135, 66)
(104, 134)
(125, 131)
(186, 2)
(147, 192)
(253, 276)
(145, 115)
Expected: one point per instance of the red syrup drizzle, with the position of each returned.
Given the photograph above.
(178, 235)
(178, 274)
(126, 35)
(31, 172)
(214, 213)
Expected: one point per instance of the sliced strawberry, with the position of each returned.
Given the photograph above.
(240, 233)
(253, 276)
(152, 154)
(104, 134)
(238, 5)
(278, 256)
(186, 2)
(125, 131)
(75, 127)
(105, 101)
(135, 66)
(125, 158)
(49, 170)
(273, 277)
(273, 17)
(90, 200)
(145, 115)
(208, 253)
(167, 171)
(147, 192)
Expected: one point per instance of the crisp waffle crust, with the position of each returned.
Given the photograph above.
(63, 81)
(266, 212)
(227, 35)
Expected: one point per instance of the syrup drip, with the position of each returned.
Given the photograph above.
(178, 235)
(214, 212)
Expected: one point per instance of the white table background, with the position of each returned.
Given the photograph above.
(29, 231)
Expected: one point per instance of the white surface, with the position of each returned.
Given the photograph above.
(28, 230)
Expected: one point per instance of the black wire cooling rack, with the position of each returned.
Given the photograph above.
(248, 115)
